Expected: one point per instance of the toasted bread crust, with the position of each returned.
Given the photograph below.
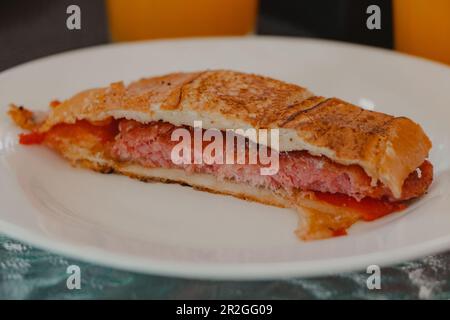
(386, 147)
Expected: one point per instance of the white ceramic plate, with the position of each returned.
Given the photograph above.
(174, 230)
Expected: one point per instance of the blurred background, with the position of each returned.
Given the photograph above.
(32, 29)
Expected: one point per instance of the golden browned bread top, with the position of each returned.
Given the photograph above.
(388, 148)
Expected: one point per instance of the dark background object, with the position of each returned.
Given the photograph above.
(32, 29)
(343, 20)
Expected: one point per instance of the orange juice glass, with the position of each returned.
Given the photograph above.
(150, 19)
(422, 27)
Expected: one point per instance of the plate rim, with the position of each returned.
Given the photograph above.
(233, 38)
(224, 271)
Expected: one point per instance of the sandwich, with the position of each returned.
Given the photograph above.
(337, 163)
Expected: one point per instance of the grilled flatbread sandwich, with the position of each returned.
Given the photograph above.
(338, 163)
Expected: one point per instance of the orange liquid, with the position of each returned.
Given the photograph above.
(422, 27)
(150, 19)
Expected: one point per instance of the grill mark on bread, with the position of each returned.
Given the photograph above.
(298, 112)
(257, 100)
(387, 123)
(282, 110)
(344, 125)
(179, 92)
(340, 126)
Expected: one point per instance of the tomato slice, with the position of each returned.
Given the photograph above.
(31, 138)
(55, 103)
(369, 208)
(105, 131)
(339, 232)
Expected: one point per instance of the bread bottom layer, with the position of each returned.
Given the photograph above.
(317, 219)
